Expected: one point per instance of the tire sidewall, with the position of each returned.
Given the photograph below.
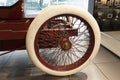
(46, 14)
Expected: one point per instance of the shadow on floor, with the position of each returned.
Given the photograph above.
(78, 76)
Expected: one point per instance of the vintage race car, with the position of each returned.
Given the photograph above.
(61, 40)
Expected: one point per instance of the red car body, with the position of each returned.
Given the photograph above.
(13, 26)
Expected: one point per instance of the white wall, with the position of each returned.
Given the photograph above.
(84, 4)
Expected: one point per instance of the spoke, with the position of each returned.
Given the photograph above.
(75, 21)
(63, 17)
(85, 46)
(72, 38)
(65, 59)
(79, 36)
(61, 59)
(85, 33)
(56, 54)
(52, 55)
(82, 40)
(44, 51)
(67, 18)
(75, 57)
(74, 54)
(71, 54)
(81, 25)
(58, 60)
(70, 60)
(81, 52)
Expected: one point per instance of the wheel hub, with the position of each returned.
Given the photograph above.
(65, 44)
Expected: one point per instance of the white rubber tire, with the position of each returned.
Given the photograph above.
(46, 14)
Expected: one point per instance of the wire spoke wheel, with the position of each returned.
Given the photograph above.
(57, 49)
(63, 42)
